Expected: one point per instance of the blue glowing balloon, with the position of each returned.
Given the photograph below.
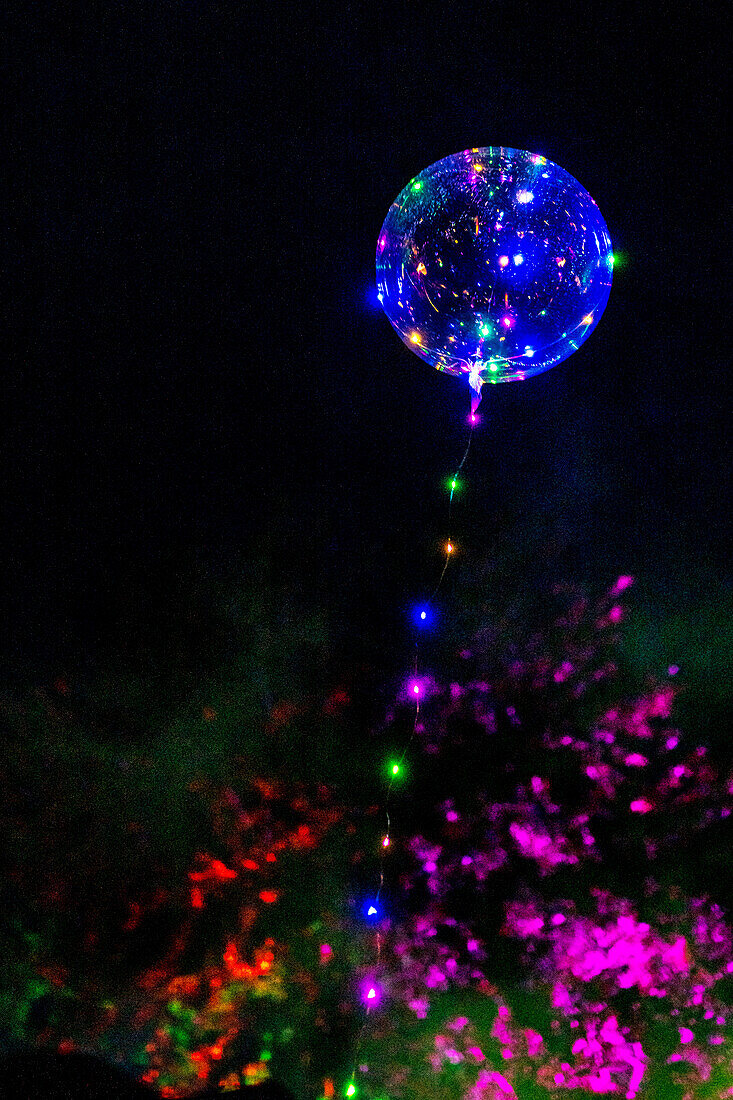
(494, 263)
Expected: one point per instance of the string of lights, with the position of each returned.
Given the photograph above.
(423, 614)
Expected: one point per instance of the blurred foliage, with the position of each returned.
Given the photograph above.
(114, 779)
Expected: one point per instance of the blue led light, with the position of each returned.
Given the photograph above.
(422, 617)
(375, 297)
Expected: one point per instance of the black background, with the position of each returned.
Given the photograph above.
(198, 375)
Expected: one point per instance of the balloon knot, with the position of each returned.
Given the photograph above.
(475, 381)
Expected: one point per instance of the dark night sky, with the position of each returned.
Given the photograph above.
(196, 367)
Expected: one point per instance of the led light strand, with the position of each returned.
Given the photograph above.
(449, 547)
(395, 770)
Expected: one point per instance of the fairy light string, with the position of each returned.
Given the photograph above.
(395, 768)
(449, 547)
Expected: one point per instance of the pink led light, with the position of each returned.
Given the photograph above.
(640, 806)
(673, 670)
(371, 992)
(415, 688)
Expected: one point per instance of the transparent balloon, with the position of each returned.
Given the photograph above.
(494, 263)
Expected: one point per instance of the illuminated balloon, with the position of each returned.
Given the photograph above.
(494, 263)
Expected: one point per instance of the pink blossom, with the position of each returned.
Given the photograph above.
(636, 760)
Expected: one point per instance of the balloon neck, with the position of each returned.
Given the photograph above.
(475, 381)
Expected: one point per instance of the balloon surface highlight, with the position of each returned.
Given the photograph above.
(495, 264)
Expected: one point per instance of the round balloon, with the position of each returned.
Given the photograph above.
(494, 263)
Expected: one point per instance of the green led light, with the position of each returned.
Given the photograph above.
(417, 186)
(351, 1091)
(493, 367)
(396, 770)
(265, 1055)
